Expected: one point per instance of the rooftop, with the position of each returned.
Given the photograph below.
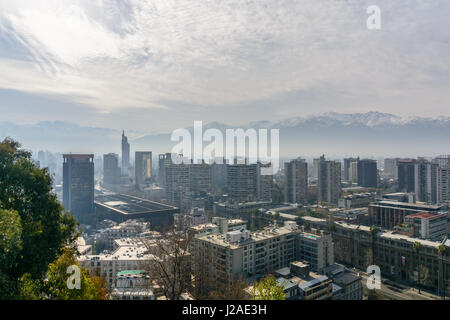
(129, 205)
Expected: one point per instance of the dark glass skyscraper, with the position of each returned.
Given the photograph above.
(78, 184)
(367, 173)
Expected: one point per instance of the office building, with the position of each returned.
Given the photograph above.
(78, 185)
(143, 167)
(125, 154)
(388, 214)
(111, 170)
(296, 181)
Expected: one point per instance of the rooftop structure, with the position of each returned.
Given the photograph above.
(120, 207)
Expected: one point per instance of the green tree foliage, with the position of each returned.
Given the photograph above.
(10, 247)
(268, 289)
(39, 219)
(55, 286)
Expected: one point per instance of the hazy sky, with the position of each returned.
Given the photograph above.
(154, 65)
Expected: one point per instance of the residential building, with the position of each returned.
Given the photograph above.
(296, 181)
(133, 285)
(329, 181)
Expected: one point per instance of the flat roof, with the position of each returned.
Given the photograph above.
(406, 204)
(426, 215)
(129, 205)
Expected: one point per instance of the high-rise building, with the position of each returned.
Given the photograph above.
(241, 182)
(405, 171)
(421, 177)
(200, 178)
(125, 154)
(264, 183)
(296, 181)
(442, 161)
(165, 160)
(219, 175)
(111, 170)
(367, 173)
(443, 179)
(176, 182)
(353, 172)
(390, 167)
(426, 181)
(329, 181)
(347, 162)
(78, 184)
(316, 163)
(143, 166)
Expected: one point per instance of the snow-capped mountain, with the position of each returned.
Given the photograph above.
(341, 134)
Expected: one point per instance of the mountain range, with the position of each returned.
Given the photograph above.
(370, 134)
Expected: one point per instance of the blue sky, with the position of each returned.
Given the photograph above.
(158, 65)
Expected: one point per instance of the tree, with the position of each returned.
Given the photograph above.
(44, 228)
(268, 289)
(169, 263)
(55, 285)
(10, 247)
(233, 290)
(416, 247)
(441, 251)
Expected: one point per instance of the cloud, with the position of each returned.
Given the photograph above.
(207, 59)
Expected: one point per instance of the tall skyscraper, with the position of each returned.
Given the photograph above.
(367, 173)
(78, 184)
(143, 166)
(347, 162)
(329, 181)
(125, 154)
(296, 181)
(111, 170)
